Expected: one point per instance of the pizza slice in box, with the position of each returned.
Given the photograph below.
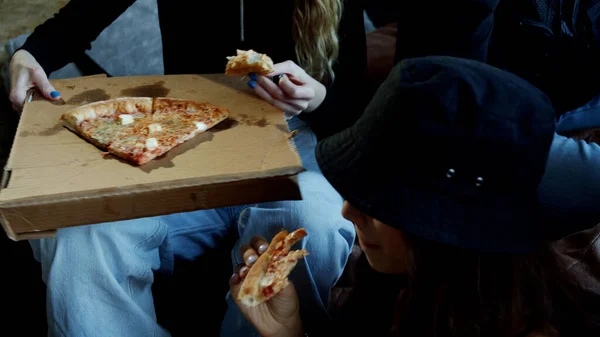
(247, 62)
(139, 129)
(269, 274)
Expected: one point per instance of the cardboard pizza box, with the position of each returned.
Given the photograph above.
(55, 179)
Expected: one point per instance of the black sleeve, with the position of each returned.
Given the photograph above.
(346, 96)
(460, 28)
(70, 32)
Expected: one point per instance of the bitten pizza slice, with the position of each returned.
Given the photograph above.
(247, 62)
(269, 274)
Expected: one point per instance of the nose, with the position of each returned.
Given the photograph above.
(353, 215)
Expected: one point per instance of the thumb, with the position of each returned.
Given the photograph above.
(41, 81)
(284, 305)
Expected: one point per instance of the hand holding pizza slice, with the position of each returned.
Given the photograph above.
(261, 288)
(269, 274)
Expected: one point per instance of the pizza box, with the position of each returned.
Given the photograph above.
(55, 179)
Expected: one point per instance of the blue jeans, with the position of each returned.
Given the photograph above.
(570, 189)
(99, 277)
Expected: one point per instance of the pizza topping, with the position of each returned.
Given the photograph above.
(201, 126)
(249, 61)
(151, 144)
(141, 129)
(126, 119)
(85, 114)
(268, 291)
(154, 128)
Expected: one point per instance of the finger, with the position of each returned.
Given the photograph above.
(249, 255)
(262, 93)
(278, 94)
(290, 68)
(260, 244)
(234, 280)
(235, 283)
(39, 78)
(241, 270)
(17, 108)
(18, 91)
(271, 87)
(295, 91)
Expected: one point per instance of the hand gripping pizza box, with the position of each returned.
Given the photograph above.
(55, 179)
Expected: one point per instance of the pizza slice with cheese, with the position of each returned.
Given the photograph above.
(247, 62)
(139, 129)
(269, 274)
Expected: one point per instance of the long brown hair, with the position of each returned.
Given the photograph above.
(315, 32)
(457, 292)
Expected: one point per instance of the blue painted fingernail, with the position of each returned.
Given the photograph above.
(252, 84)
(253, 77)
(54, 94)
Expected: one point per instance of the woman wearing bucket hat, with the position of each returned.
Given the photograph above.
(440, 177)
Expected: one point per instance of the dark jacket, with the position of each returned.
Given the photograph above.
(198, 35)
(554, 44)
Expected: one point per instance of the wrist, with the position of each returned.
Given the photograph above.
(298, 328)
(292, 328)
(20, 53)
(320, 93)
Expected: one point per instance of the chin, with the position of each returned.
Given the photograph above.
(374, 263)
(384, 268)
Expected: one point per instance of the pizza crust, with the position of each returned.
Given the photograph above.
(248, 62)
(269, 274)
(104, 108)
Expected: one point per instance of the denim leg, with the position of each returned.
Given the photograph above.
(587, 116)
(99, 277)
(570, 188)
(193, 233)
(329, 241)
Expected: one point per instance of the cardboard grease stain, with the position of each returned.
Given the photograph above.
(88, 96)
(252, 121)
(226, 124)
(150, 90)
(47, 132)
(260, 122)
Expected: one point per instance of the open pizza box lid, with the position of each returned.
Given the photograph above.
(54, 179)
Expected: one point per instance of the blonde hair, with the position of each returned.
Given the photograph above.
(315, 32)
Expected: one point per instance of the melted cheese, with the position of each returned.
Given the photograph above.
(253, 57)
(151, 144)
(130, 107)
(201, 126)
(84, 114)
(154, 128)
(126, 119)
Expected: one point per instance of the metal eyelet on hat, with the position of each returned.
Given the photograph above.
(450, 173)
(479, 181)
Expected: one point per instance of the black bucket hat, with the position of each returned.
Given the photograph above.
(449, 149)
